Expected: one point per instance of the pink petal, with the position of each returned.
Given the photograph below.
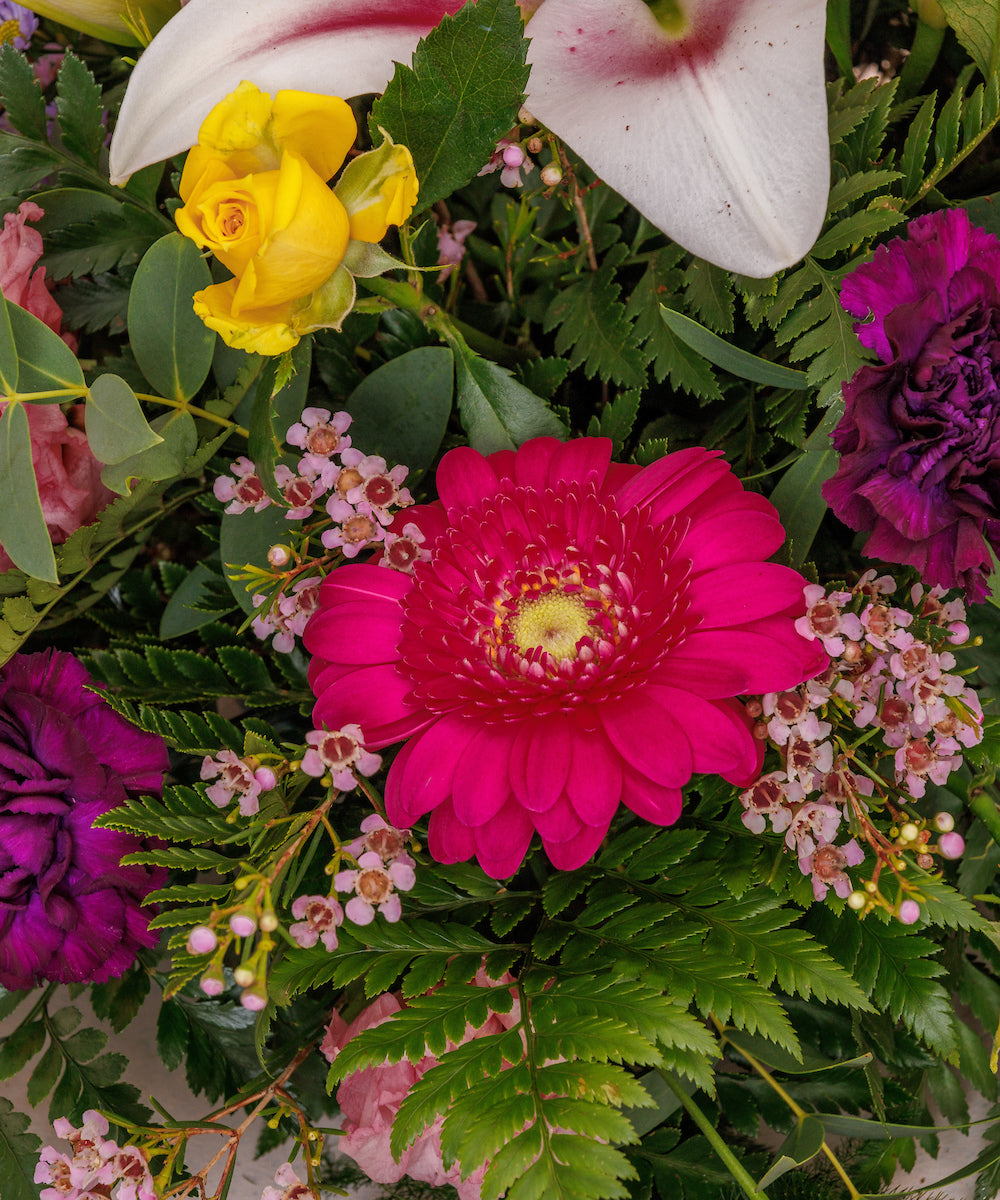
(718, 744)
(594, 782)
(560, 823)
(364, 582)
(372, 697)
(482, 785)
(502, 844)
(464, 479)
(447, 838)
(420, 778)
(648, 738)
(673, 482)
(749, 533)
(744, 592)
(660, 805)
(365, 632)
(719, 136)
(567, 856)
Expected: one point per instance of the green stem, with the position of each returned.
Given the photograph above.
(193, 409)
(985, 808)
(927, 42)
(733, 1164)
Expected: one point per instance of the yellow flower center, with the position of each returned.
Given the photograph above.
(554, 622)
(9, 30)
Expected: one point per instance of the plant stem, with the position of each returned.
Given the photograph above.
(797, 1109)
(193, 409)
(733, 1164)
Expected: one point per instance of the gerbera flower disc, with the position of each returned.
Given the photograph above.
(575, 640)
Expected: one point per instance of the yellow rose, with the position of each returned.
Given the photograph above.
(248, 131)
(275, 329)
(378, 189)
(282, 233)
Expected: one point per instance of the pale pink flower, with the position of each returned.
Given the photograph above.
(404, 548)
(319, 432)
(451, 245)
(379, 489)
(824, 620)
(375, 885)
(298, 491)
(318, 918)
(575, 640)
(21, 281)
(245, 492)
(238, 781)
(812, 825)
(289, 1186)
(388, 842)
(341, 752)
(826, 865)
(357, 527)
(773, 795)
(288, 616)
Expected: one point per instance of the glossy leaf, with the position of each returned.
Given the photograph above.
(45, 362)
(172, 346)
(23, 533)
(160, 461)
(401, 409)
(116, 426)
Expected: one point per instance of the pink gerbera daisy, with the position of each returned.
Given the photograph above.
(574, 639)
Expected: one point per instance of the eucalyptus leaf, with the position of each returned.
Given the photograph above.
(401, 409)
(116, 426)
(8, 352)
(172, 346)
(179, 440)
(45, 362)
(731, 358)
(23, 533)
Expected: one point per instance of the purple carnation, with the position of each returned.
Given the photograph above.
(920, 437)
(68, 911)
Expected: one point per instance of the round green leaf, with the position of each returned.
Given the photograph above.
(172, 346)
(116, 426)
(23, 533)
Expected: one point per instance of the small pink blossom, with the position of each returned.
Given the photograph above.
(375, 886)
(451, 245)
(773, 796)
(320, 433)
(403, 549)
(388, 842)
(341, 752)
(812, 825)
(510, 160)
(290, 1187)
(299, 492)
(356, 528)
(826, 865)
(246, 492)
(379, 488)
(824, 620)
(288, 616)
(239, 780)
(317, 918)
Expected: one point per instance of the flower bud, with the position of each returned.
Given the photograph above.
(551, 175)
(244, 977)
(951, 845)
(279, 556)
(944, 822)
(254, 998)
(909, 911)
(242, 924)
(212, 983)
(378, 189)
(266, 778)
(513, 156)
(857, 901)
(201, 940)
(908, 832)
(268, 922)
(535, 144)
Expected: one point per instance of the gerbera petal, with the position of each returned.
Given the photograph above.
(212, 45)
(357, 633)
(648, 738)
(464, 479)
(718, 744)
(375, 699)
(752, 531)
(673, 481)
(420, 778)
(735, 104)
(661, 805)
(502, 843)
(447, 838)
(560, 823)
(744, 592)
(481, 785)
(568, 855)
(364, 582)
(594, 782)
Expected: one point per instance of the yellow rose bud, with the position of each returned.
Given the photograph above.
(228, 216)
(248, 131)
(378, 189)
(257, 331)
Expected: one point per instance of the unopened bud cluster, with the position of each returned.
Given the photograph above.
(860, 742)
(349, 500)
(513, 155)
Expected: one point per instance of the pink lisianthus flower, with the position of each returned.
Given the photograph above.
(370, 1100)
(575, 640)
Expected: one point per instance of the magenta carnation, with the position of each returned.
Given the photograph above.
(575, 639)
(68, 911)
(920, 436)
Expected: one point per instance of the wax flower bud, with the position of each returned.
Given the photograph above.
(201, 940)
(909, 912)
(378, 189)
(951, 845)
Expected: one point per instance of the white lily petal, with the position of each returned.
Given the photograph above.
(719, 138)
(339, 47)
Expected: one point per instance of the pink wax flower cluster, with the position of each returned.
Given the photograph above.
(97, 1165)
(920, 437)
(68, 911)
(573, 640)
(370, 1100)
(887, 679)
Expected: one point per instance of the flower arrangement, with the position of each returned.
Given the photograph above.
(439, 674)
